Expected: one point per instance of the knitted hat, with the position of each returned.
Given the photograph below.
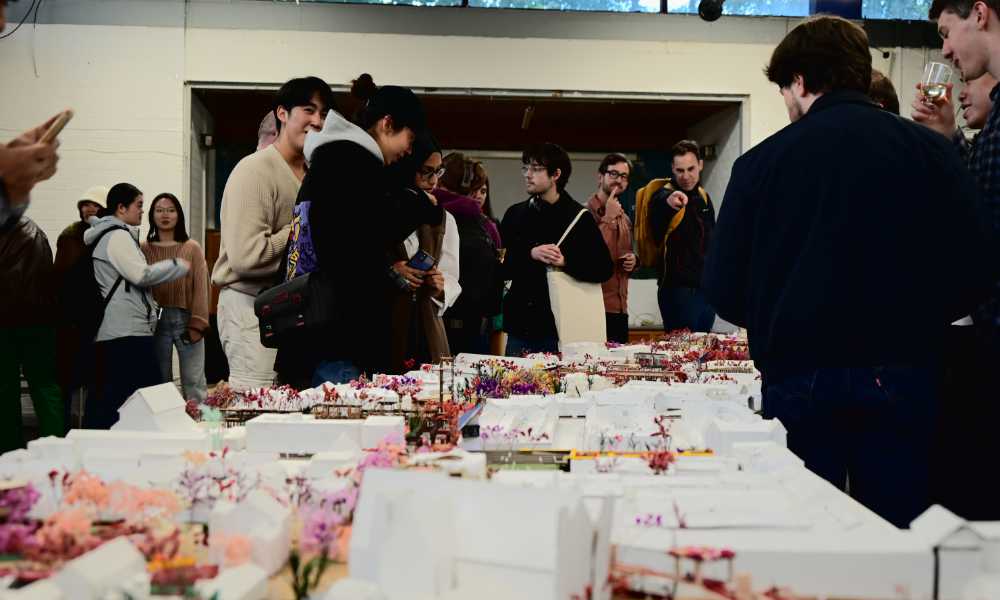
(96, 195)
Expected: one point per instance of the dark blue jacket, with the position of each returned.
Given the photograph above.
(851, 237)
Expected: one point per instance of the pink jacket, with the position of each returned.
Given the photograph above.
(616, 228)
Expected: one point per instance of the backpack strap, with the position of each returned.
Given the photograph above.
(101, 235)
(107, 300)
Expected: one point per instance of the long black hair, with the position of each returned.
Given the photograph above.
(399, 103)
(403, 172)
(180, 231)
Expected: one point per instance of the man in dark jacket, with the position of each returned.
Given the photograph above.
(27, 335)
(530, 230)
(844, 283)
(686, 237)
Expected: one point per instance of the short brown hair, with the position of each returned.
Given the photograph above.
(613, 159)
(883, 93)
(685, 146)
(962, 8)
(463, 176)
(830, 53)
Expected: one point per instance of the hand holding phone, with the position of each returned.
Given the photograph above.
(56, 127)
(421, 261)
(406, 277)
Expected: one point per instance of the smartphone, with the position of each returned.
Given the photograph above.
(56, 128)
(421, 261)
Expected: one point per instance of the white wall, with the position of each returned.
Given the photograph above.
(126, 82)
(721, 130)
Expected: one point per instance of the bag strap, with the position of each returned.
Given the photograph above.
(106, 301)
(565, 233)
(97, 240)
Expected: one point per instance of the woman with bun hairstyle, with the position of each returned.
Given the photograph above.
(462, 191)
(346, 215)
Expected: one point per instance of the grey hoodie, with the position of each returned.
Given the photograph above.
(132, 310)
(337, 128)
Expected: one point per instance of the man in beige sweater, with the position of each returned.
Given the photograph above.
(256, 219)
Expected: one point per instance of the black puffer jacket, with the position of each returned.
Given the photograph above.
(350, 228)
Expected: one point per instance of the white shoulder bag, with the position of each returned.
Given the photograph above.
(577, 306)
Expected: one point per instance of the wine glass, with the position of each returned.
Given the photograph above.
(935, 81)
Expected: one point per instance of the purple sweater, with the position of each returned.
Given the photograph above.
(463, 206)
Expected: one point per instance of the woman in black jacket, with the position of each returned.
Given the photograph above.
(345, 216)
(469, 321)
(530, 231)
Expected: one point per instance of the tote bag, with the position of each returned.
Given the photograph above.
(577, 306)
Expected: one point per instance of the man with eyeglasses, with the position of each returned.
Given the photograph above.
(530, 230)
(686, 236)
(616, 228)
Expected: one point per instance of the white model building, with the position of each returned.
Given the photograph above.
(155, 408)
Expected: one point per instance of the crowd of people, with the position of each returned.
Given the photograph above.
(856, 247)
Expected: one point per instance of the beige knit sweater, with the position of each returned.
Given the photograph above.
(256, 216)
(190, 292)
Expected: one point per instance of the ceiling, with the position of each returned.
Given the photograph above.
(495, 122)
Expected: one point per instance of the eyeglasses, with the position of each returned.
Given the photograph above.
(616, 174)
(428, 172)
(533, 169)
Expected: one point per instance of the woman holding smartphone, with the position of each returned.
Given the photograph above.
(426, 264)
(346, 215)
(184, 301)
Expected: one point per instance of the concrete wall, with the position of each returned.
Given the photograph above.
(124, 65)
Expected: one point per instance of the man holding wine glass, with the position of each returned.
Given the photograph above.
(971, 41)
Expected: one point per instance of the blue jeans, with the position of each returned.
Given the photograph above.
(866, 430)
(517, 346)
(334, 371)
(170, 334)
(685, 308)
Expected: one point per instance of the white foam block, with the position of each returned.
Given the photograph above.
(126, 442)
(324, 464)
(52, 447)
(353, 589)
(161, 468)
(720, 435)
(46, 589)
(378, 428)
(264, 520)
(111, 465)
(155, 408)
(245, 582)
(101, 570)
(298, 434)
(471, 465)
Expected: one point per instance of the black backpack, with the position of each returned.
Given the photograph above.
(83, 304)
